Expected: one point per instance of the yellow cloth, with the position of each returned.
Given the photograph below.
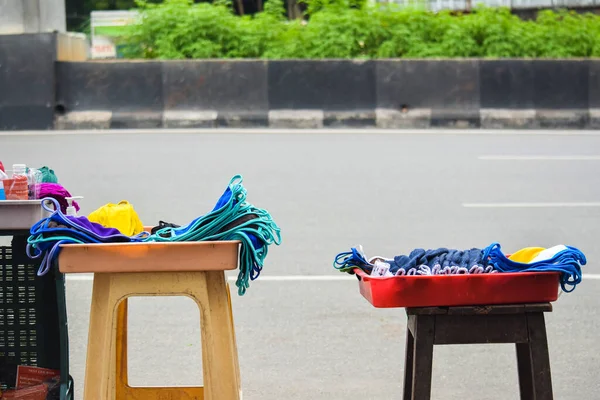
(120, 216)
(525, 255)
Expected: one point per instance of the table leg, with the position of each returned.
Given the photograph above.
(540, 359)
(423, 357)
(408, 364)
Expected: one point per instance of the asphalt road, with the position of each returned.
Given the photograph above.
(303, 338)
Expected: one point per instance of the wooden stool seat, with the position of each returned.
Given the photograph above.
(195, 270)
(149, 257)
(520, 324)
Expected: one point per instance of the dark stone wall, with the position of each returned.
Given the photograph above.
(27, 81)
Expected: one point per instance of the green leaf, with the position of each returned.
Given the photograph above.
(354, 29)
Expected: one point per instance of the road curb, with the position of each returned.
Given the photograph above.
(315, 119)
(296, 119)
(502, 118)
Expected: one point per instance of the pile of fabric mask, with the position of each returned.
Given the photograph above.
(563, 259)
(232, 218)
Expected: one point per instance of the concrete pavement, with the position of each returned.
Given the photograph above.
(330, 190)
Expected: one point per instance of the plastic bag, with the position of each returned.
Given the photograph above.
(33, 383)
(34, 178)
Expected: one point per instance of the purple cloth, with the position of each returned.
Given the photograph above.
(57, 192)
(108, 234)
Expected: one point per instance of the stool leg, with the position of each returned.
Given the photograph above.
(122, 382)
(540, 359)
(525, 371)
(235, 353)
(100, 349)
(422, 357)
(408, 363)
(219, 351)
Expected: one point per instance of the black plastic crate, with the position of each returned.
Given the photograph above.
(30, 314)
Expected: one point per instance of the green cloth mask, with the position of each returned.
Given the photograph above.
(48, 175)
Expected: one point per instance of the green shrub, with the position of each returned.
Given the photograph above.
(180, 29)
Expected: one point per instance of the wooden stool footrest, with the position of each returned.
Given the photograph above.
(160, 393)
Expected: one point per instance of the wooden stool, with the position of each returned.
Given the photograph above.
(120, 271)
(520, 324)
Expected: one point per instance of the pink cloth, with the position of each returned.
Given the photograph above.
(56, 191)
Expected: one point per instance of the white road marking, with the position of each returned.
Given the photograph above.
(79, 277)
(289, 278)
(344, 131)
(307, 278)
(530, 205)
(539, 158)
(267, 278)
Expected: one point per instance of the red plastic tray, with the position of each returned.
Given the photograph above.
(458, 290)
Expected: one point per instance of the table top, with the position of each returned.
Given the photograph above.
(149, 257)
